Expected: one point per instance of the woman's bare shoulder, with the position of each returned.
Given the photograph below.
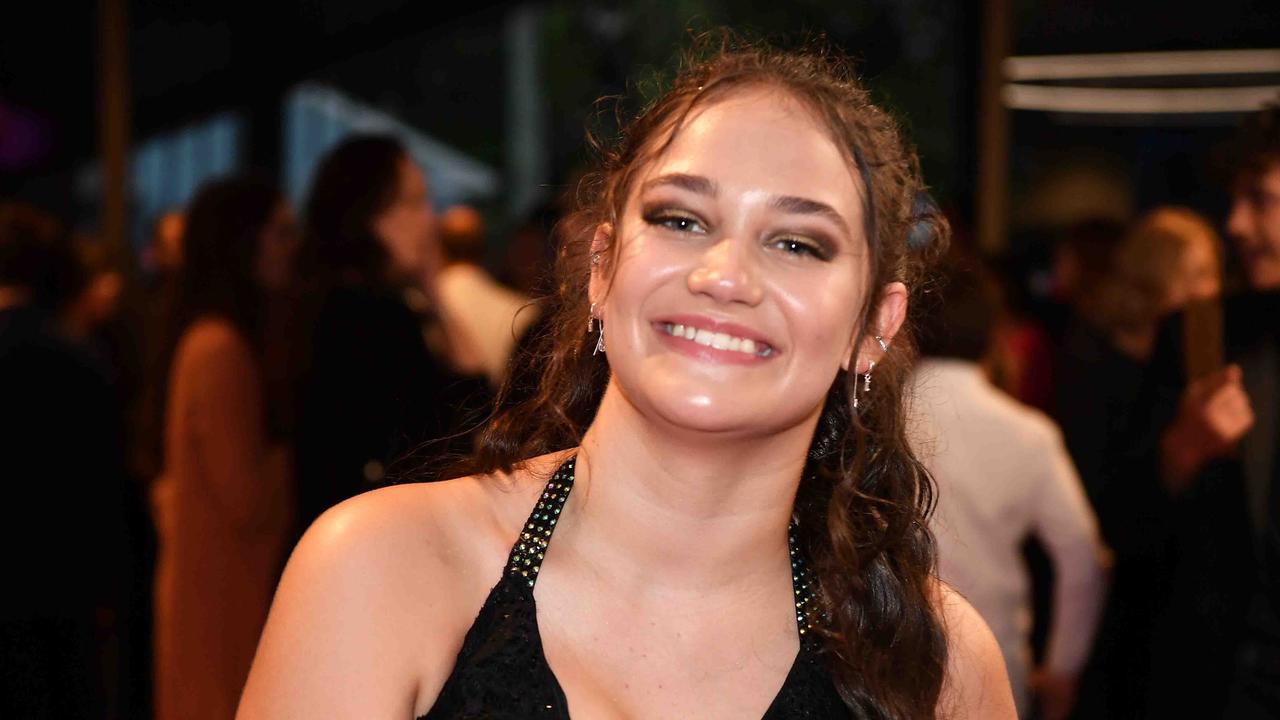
(380, 592)
(213, 345)
(211, 333)
(442, 522)
(976, 684)
(442, 526)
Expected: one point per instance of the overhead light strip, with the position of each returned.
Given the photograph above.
(1138, 100)
(1153, 64)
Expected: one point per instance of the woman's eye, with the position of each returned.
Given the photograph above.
(799, 247)
(679, 223)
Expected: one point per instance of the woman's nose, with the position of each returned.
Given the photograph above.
(726, 272)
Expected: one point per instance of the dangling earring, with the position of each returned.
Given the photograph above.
(866, 383)
(866, 376)
(591, 326)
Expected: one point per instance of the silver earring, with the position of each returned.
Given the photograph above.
(866, 383)
(866, 376)
(591, 318)
(599, 340)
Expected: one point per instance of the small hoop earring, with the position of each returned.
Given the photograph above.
(883, 346)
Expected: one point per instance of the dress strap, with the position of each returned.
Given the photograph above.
(530, 548)
(803, 585)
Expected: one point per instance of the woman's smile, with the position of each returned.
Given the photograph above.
(714, 340)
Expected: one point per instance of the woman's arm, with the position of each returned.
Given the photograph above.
(976, 686)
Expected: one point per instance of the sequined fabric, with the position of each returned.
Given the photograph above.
(502, 674)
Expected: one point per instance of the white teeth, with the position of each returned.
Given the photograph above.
(719, 341)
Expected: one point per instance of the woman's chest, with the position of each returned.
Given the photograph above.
(619, 658)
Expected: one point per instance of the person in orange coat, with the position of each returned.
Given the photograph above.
(223, 504)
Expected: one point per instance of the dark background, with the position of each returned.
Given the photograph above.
(442, 69)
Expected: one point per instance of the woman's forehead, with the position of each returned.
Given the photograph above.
(759, 134)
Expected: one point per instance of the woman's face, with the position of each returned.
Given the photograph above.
(277, 250)
(404, 228)
(741, 270)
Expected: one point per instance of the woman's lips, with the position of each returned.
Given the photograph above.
(714, 340)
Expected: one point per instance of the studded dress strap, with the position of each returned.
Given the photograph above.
(531, 547)
(803, 585)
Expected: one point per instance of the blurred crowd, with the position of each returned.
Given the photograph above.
(1105, 459)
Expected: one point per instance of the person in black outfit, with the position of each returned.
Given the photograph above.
(1201, 501)
(372, 390)
(709, 508)
(62, 525)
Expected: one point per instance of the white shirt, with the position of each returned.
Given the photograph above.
(1003, 473)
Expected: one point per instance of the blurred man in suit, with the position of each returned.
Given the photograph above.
(1204, 513)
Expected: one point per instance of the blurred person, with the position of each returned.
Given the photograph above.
(61, 519)
(1041, 309)
(483, 318)
(732, 526)
(530, 252)
(1201, 503)
(97, 318)
(1003, 475)
(223, 505)
(1168, 258)
(149, 308)
(162, 257)
(371, 390)
(98, 292)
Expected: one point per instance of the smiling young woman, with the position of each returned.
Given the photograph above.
(739, 524)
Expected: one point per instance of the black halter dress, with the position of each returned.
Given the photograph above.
(502, 674)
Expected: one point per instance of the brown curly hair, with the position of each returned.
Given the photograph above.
(863, 500)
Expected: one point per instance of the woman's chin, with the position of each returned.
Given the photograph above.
(720, 413)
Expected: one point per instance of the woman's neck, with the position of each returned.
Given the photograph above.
(668, 506)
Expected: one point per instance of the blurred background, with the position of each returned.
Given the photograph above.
(495, 96)
(1048, 130)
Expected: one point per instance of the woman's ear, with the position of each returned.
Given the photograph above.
(598, 287)
(886, 321)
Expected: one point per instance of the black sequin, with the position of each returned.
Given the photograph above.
(501, 672)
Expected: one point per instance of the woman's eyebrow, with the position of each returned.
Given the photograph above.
(805, 206)
(692, 183)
